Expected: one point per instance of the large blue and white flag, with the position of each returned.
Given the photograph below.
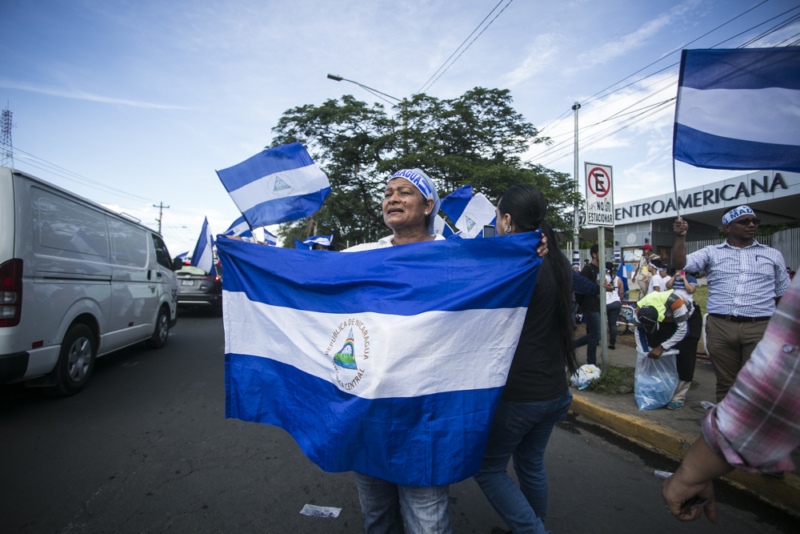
(203, 255)
(239, 228)
(388, 362)
(470, 212)
(276, 185)
(739, 109)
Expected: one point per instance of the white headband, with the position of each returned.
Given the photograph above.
(735, 213)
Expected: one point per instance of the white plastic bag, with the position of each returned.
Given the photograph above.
(655, 381)
(585, 374)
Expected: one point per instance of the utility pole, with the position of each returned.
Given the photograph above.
(161, 207)
(6, 146)
(577, 229)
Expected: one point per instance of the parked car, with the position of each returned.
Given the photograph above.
(77, 281)
(196, 287)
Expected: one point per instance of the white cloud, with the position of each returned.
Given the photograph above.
(627, 43)
(82, 95)
(541, 55)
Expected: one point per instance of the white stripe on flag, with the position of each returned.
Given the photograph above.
(303, 340)
(477, 213)
(295, 182)
(768, 115)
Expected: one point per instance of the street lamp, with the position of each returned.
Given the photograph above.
(403, 103)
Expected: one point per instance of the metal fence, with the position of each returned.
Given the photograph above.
(786, 241)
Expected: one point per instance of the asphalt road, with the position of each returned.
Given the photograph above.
(146, 448)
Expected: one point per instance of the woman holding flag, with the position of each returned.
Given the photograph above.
(536, 395)
(409, 206)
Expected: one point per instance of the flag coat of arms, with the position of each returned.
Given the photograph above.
(388, 362)
(470, 212)
(739, 109)
(276, 185)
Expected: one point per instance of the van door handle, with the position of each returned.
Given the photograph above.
(149, 274)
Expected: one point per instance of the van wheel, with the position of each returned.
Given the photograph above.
(75, 362)
(161, 332)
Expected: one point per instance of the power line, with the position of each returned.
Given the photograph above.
(42, 164)
(459, 46)
(467, 47)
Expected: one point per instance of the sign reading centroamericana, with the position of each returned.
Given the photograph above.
(599, 195)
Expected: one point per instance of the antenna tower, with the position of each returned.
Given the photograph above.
(6, 147)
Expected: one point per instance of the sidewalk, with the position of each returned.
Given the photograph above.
(671, 433)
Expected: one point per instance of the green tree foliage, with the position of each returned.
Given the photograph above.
(477, 138)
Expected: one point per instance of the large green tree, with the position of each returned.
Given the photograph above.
(477, 138)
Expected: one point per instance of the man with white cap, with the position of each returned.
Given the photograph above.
(745, 281)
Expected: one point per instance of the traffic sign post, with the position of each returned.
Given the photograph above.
(600, 213)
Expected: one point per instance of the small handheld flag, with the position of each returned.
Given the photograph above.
(239, 228)
(469, 212)
(276, 185)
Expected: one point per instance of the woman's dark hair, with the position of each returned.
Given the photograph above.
(527, 207)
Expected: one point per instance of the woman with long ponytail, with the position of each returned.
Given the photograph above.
(536, 395)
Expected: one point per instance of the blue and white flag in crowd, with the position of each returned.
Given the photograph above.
(239, 228)
(387, 362)
(306, 244)
(440, 226)
(469, 212)
(276, 185)
(203, 255)
(270, 239)
(622, 272)
(738, 109)
(182, 256)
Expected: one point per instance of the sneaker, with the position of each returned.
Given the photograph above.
(673, 405)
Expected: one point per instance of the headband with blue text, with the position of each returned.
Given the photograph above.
(737, 212)
(417, 179)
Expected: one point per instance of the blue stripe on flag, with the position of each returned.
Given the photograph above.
(407, 280)
(454, 204)
(287, 209)
(431, 440)
(748, 68)
(714, 152)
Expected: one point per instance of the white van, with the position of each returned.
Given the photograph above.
(77, 281)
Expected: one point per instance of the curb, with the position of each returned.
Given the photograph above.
(783, 493)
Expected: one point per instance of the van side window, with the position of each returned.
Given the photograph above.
(62, 224)
(128, 244)
(162, 254)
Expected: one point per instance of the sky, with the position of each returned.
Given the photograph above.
(136, 103)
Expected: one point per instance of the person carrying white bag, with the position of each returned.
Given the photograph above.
(662, 323)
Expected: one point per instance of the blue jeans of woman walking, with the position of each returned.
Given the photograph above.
(521, 430)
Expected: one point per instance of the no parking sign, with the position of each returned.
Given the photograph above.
(599, 195)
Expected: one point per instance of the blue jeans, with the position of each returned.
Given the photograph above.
(385, 505)
(592, 337)
(521, 429)
(613, 310)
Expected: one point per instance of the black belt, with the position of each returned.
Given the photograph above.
(739, 318)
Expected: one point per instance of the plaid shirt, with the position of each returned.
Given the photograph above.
(757, 426)
(741, 281)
